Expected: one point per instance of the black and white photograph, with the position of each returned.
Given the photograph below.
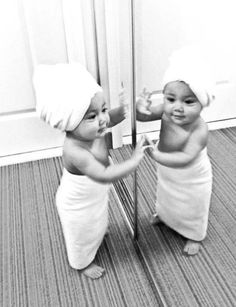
(117, 153)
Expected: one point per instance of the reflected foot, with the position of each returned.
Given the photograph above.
(155, 220)
(93, 271)
(192, 247)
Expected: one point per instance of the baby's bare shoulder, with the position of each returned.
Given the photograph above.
(202, 127)
(75, 158)
(200, 133)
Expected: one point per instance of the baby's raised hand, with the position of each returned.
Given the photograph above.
(143, 102)
(123, 102)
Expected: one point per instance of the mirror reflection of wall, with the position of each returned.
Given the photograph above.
(162, 27)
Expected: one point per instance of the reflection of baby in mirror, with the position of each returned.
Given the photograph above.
(184, 172)
(68, 98)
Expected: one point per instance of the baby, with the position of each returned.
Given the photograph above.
(68, 98)
(184, 171)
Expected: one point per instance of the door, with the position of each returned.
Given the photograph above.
(50, 32)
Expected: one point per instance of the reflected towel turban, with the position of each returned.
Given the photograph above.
(189, 66)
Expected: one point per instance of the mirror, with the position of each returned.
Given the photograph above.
(161, 28)
(129, 42)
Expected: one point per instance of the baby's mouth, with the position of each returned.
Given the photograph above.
(102, 130)
(178, 116)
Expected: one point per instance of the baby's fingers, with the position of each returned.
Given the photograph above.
(148, 141)
(145, 93)
(150, 147)
(144, 110)
(141, 142)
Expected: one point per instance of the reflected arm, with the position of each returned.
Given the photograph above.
(155, 113)
(117, 115)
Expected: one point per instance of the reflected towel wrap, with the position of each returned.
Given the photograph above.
(183, 197)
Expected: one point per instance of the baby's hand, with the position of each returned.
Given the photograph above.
(123, 102)
(143, 102)
(138, 152)
(149, 145)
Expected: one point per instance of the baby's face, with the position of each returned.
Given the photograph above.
(181, 105)
(96, 120)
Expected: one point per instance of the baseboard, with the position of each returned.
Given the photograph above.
(24, 137)
(31, 156)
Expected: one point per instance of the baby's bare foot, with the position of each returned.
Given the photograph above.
(93, 271)
(192, 247)
(154, 219)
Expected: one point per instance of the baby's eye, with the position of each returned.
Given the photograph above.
(189, 101)
(104, 110)
(91, 116)
(170, 99)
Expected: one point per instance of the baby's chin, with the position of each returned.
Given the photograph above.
(102, 132)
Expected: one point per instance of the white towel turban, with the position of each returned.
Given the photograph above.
(188, 66)
(63, 94)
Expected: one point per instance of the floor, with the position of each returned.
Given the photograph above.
(149, 272)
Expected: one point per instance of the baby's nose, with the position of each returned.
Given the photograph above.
(102, 118)
(178, 105)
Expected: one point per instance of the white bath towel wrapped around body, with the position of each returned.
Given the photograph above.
(183, 197)
(82, 205)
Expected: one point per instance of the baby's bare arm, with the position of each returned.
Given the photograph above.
(88, 165)
(117, 115)
(153, 112)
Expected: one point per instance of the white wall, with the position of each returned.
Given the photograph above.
(42, 31)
